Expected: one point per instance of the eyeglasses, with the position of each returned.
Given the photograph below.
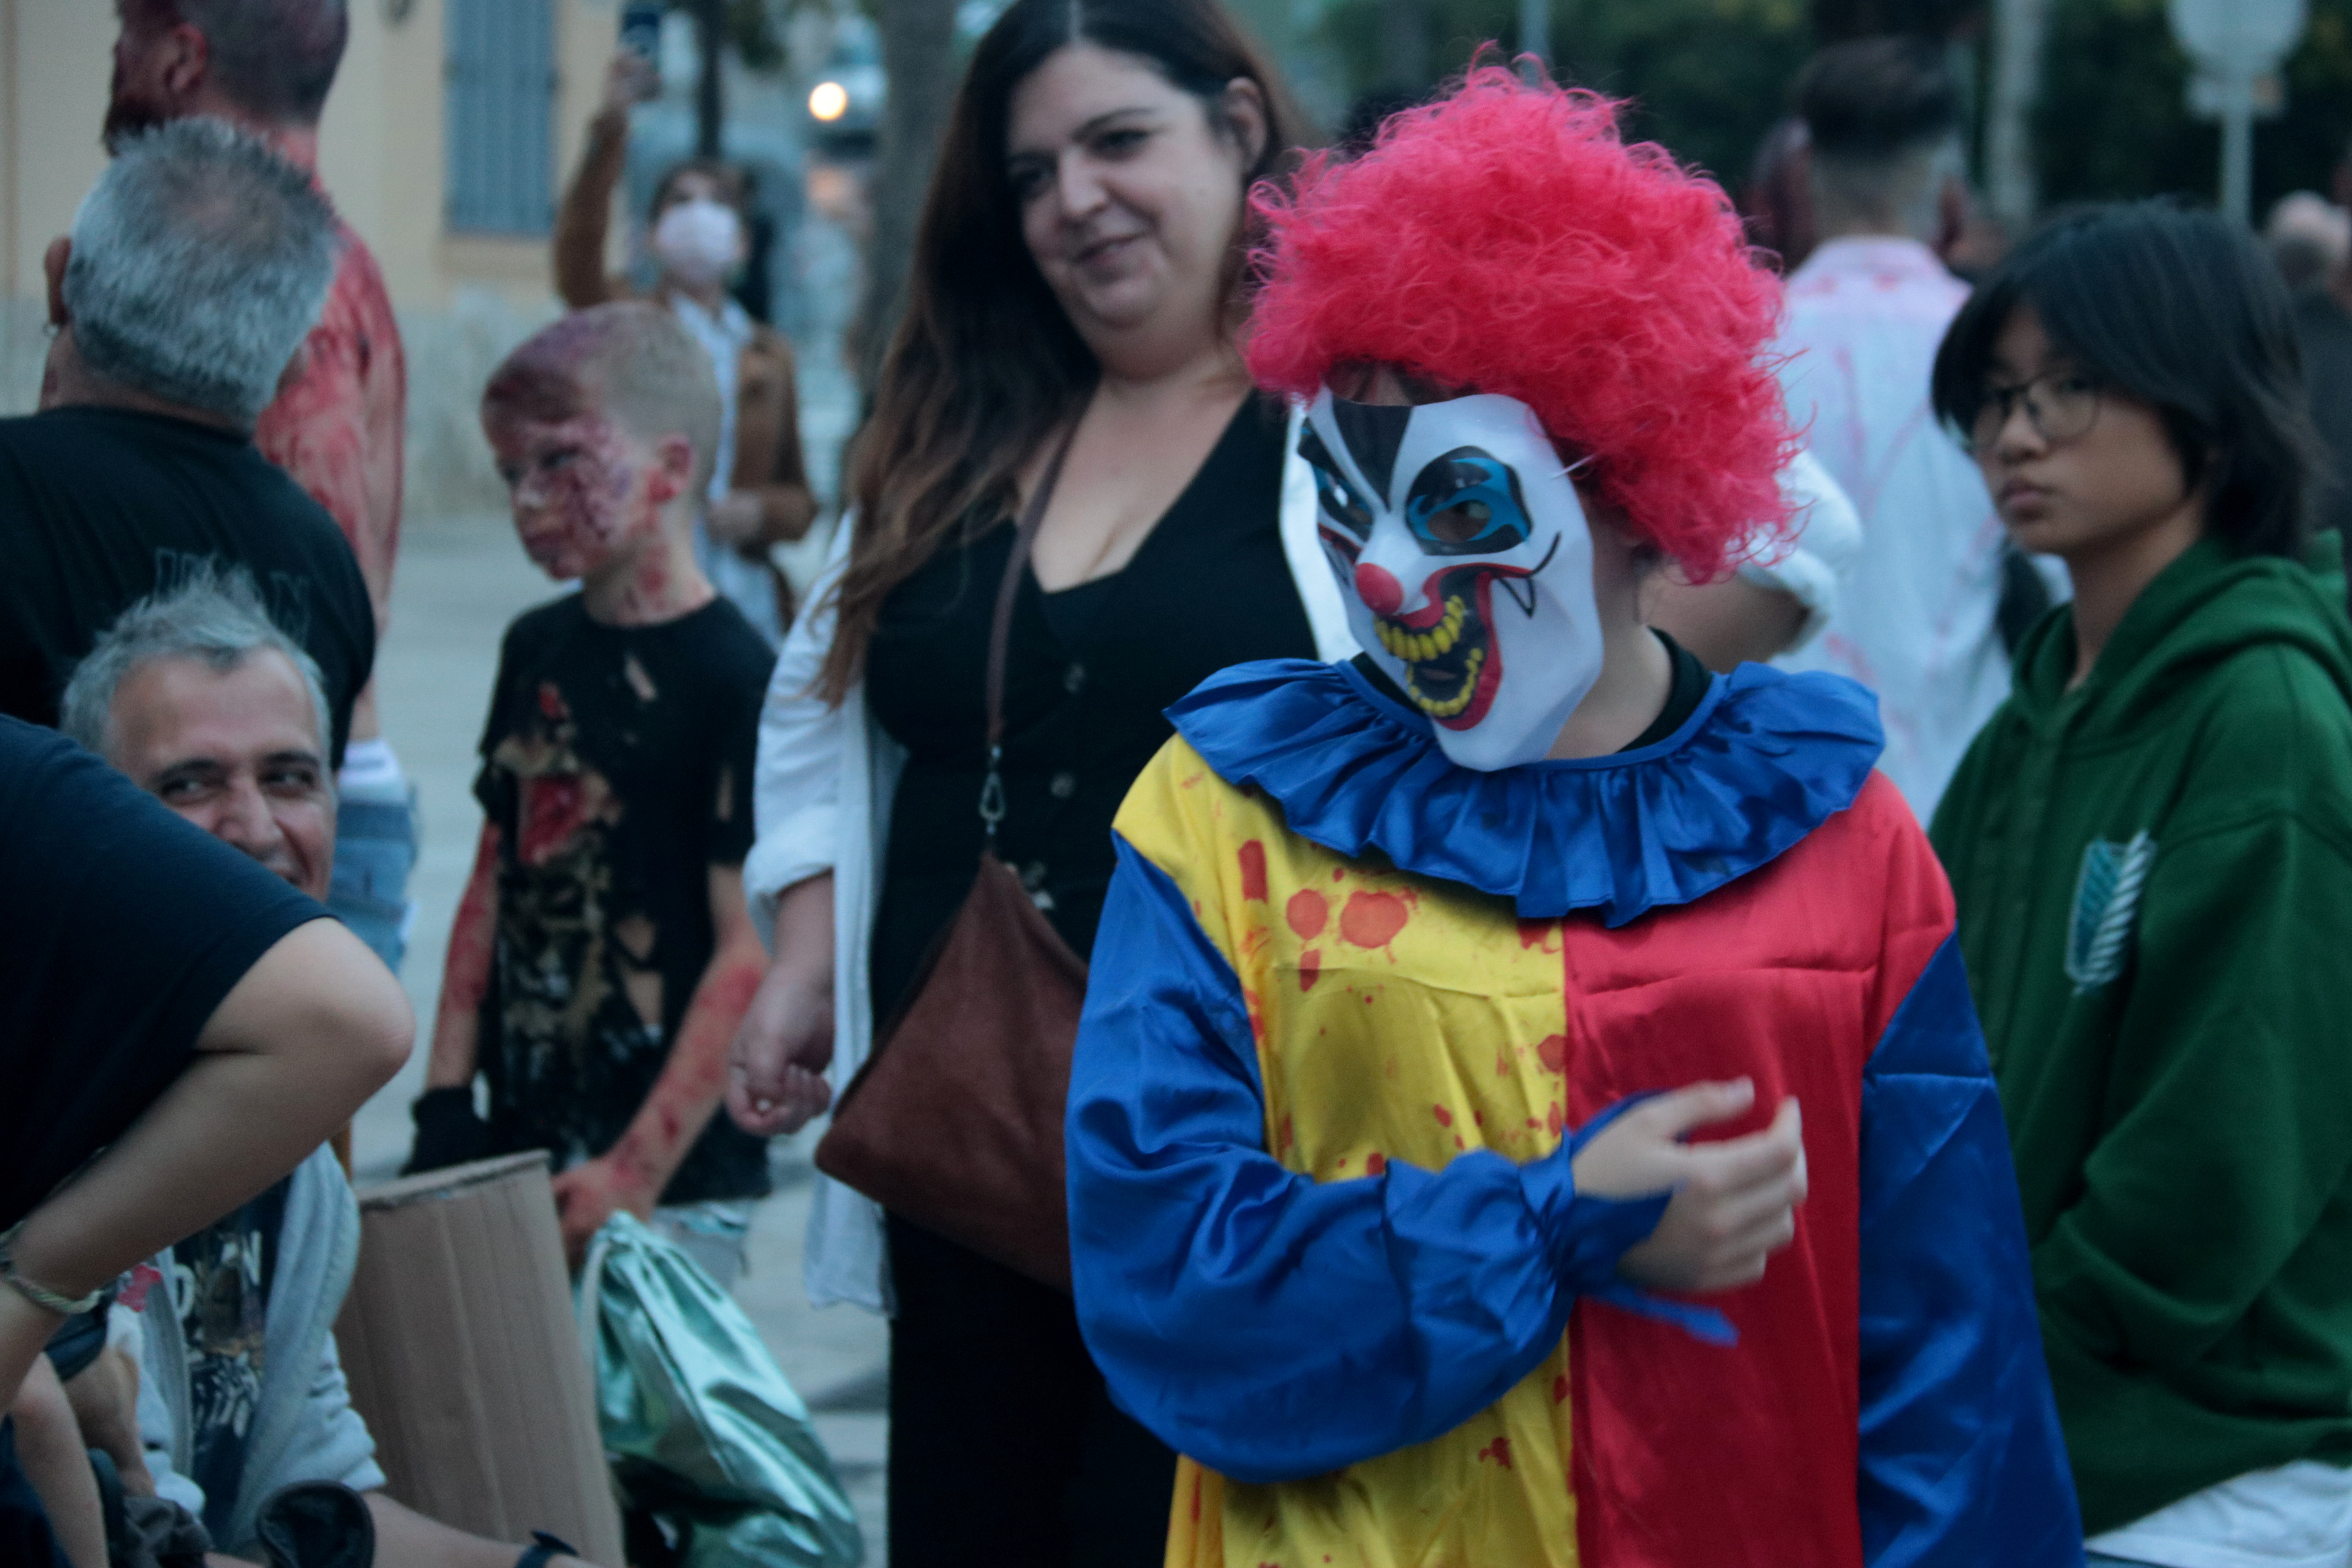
(2061, 406)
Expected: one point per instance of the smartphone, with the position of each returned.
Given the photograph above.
(641, 26)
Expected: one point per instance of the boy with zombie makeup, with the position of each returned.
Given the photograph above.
(1451, 1002)
(603, 956)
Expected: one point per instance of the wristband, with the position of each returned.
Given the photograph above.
(542, 1547)
(41, 1296)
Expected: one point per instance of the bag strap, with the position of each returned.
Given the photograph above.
(999, 631)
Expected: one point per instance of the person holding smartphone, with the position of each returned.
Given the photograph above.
(758, 495)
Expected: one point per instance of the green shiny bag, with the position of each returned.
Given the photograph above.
(699, 1426)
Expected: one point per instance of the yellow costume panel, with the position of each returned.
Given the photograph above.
(1395, 1018)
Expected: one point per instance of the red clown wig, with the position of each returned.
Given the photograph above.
(1505, 240)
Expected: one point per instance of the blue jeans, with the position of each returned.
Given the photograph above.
(376, 849)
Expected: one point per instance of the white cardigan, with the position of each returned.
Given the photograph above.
(822, 803)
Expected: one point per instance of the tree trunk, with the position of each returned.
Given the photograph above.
(2012, 184)
(918, 62)
(709, 102)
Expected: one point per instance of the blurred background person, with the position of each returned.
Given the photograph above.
(1919, 623)
(758, 495)
(1078, 275)
(2310, 240)
(336, 424)
(2149, 846)
(195, 267)
(2308, 237)
(197, 698)
(1778, 199)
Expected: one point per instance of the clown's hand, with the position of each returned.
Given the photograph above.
(1734, 1202)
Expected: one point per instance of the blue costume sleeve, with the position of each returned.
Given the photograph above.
(1268, 1325)
(1962, 1462)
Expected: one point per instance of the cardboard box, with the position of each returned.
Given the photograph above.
(465, 1361)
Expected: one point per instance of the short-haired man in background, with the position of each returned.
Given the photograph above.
(1919, 622)
(196, 266)
(266, 66)
(204, 704)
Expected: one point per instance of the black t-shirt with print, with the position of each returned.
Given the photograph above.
(616, 766)
(221, 1278)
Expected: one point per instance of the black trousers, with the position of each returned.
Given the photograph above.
(1004, 1444)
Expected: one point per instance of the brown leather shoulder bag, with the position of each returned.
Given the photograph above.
(955, 1122)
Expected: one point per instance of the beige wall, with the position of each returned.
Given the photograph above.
(380, 149)
(464, 300)
(54, 64)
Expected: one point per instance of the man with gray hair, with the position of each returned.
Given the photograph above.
(207, 705)
(200, 700)
(196, 266)
(265, 67)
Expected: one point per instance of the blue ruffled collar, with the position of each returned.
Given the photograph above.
(1765, 759)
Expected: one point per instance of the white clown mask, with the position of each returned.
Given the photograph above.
(1467, 564)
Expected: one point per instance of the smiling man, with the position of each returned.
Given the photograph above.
(201, 701)
(212, 710)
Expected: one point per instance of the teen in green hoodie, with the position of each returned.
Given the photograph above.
(2151, 846)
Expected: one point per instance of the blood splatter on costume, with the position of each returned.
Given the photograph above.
(1373, 967)
(338, 426)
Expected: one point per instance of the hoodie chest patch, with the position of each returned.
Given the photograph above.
(2106, 906)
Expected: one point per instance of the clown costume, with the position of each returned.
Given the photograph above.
(1385, 952)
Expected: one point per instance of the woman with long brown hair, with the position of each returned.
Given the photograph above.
(1079, 274)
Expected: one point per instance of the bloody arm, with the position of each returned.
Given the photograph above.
(465, 976)
(632, 1174)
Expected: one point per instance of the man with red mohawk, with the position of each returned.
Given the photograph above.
(1452, 1006)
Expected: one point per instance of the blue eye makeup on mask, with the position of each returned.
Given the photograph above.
(1466, 502)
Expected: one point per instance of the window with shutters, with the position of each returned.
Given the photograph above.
(500, 111)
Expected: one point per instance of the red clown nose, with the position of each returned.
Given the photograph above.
(1382, 595)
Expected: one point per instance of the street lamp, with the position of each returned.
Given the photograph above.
(2237, 45)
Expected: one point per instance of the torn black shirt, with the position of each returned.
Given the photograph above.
(616, 766)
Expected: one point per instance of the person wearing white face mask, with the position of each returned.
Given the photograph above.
(759, 494)
(1451, 1000)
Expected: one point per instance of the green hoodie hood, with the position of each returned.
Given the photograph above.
(2202, 610)
(2154, 876)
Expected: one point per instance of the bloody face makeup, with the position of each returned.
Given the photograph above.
(1467, 563)
(578, 483)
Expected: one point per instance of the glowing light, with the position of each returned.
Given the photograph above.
(829, 101)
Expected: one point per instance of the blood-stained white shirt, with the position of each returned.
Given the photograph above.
(1917, 621)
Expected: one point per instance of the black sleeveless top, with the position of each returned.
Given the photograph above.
(1088, 671)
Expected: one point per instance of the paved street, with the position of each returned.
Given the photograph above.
(461, 580)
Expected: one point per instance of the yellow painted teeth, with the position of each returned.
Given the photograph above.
(1416, 648)
(1455, 704)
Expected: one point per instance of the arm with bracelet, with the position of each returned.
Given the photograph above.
(139, 1114)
